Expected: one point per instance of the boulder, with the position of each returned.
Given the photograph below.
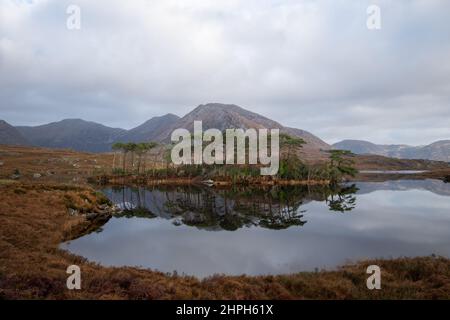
(72, 212)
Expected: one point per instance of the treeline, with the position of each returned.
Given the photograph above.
(154, 160)
(134, 157)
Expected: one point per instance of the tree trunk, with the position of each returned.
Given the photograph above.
(139, 163)
(114, 161)
(145, 160)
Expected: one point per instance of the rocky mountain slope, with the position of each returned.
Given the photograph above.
(227, 116)
(149, 130)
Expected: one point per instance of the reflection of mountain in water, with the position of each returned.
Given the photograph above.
(435, 186)
(212, 209)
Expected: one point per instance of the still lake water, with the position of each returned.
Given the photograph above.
(200, 231)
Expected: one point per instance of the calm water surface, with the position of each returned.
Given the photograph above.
(393, 171)
(201, 231)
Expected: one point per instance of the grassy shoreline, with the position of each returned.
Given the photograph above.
(34, 220)
(66, 166)
(151, 181)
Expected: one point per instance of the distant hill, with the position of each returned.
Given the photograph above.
(149, 130)
(75, 134)
(227, 116)
(10, 135)
(439, 151)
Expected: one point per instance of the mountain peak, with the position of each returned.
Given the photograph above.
(73, 120)
(84, 135)
(226, 116)
(170, 115)
(149, 130)
(167, 116)
(216, 105)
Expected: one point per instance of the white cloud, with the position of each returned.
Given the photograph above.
(308, 64)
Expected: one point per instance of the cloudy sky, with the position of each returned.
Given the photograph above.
(308, 64)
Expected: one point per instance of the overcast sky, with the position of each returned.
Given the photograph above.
(313, 65)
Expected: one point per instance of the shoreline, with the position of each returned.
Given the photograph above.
(441, 175)
(35, 220)
(32, 232)
(150, 181)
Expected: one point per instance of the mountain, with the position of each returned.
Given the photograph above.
(88, 136)
(439, 150)
(75, 134)
(311, 140)
(10, 135)
(365, 147)
(227, 116)
(149, 130)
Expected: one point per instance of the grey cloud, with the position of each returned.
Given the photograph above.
(307, 64)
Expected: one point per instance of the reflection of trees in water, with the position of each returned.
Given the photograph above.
(230, 209)
(344, 200)
(132, 201)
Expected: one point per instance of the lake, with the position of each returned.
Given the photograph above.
(393, 171)
(204, 231)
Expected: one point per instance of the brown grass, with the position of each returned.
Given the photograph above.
(34, 220)
(54, 165)
(66, 166)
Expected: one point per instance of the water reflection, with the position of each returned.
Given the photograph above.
(270, 231)
(343, 200)
(229, 209)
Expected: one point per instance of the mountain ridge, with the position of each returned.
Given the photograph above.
(229, 116)
(77, 134)
(149, 130)
(82, 135)
(438, 150)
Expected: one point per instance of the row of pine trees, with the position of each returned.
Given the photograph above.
(135, 160)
